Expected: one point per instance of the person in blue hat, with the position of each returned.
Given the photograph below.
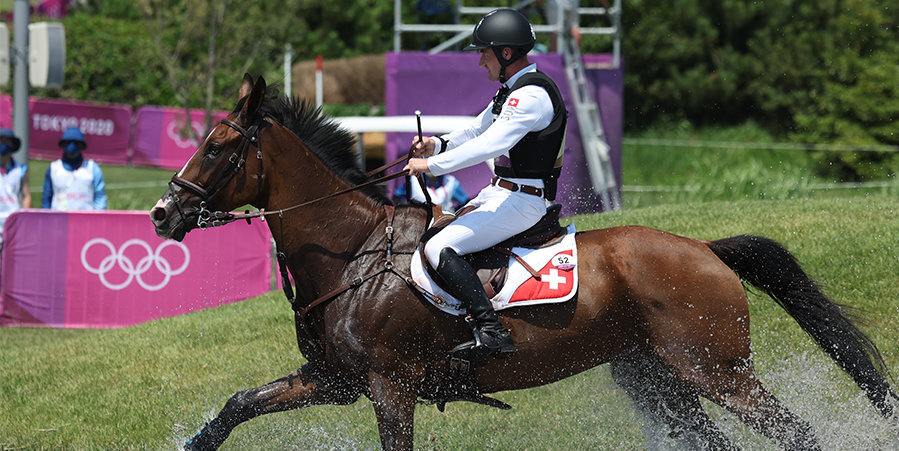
(14, 192)
(445, 191)
(73, 182)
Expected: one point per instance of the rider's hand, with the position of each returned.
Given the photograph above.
(423, 148)
(417, 166)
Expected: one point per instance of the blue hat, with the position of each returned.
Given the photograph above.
(72, 134)
(8, 134)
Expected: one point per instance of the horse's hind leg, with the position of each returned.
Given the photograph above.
(665, 400)
(743, 394)
(304, 387)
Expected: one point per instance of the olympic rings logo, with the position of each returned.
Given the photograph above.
(117, 257)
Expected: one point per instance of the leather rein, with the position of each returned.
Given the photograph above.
(237, 160)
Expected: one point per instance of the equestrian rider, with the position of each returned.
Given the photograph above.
(523, 131)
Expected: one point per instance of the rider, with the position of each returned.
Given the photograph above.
(523, 130)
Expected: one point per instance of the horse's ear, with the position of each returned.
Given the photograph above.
(254, 102)
(246, 86)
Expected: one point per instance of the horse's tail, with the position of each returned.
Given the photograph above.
(765, 264)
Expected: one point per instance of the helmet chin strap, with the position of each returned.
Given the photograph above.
(503, 63)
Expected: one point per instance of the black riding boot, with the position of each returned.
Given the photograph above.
(464, 284)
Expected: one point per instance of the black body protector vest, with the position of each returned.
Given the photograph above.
(539, 154)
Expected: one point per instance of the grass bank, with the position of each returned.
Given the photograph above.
(152, 385)
(680, 164)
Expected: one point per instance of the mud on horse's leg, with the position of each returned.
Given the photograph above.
(307, 386)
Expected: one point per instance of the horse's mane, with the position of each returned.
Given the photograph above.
(333, 144)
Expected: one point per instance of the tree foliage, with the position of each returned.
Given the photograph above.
(824, 71)
(110, 59)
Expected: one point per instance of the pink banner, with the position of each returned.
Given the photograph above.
(160, 138)
(6, 112)
(109, 269)
(106, 128)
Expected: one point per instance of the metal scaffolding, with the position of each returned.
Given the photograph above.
(586, 109)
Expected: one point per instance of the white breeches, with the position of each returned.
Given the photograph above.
(500, 214)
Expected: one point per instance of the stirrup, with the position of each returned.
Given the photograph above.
(475, 353)
(504, 347)
(471, 354)
(468, 355)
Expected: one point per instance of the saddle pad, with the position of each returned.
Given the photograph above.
(558, 278)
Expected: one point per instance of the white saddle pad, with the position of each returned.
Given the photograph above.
(556, 264)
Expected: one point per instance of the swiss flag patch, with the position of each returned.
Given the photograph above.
(513, 102)
(556, 280)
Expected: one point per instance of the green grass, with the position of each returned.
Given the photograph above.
(659, 174)
(152, 385)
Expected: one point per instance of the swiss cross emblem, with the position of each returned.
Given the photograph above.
(513, 102)
(553, 279)
(556, 280)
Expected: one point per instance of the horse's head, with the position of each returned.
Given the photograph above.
(224, 173)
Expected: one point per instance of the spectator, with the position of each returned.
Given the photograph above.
(445, 191)
(73, 182)
(14, 192)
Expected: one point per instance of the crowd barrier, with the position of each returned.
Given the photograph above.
(109, 269)
(152, 136)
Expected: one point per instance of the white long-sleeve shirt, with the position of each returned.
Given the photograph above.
(527, 109)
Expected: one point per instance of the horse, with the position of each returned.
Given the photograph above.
(668, 313)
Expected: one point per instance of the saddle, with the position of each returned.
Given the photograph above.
(453, 379)
(491, 263)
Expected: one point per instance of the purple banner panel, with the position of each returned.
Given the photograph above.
(6, 112)
(160, 139)
(451, 83)
(106, 128)
(109, 269)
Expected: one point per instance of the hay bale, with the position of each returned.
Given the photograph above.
(348, 81)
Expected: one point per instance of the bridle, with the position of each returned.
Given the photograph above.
(250, 136)
(237, 160)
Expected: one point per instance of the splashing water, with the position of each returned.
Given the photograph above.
(815, 389)
(807, 383)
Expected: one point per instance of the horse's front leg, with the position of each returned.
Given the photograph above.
(394, 404)
(307, 386)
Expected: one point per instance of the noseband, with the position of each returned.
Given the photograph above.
(237, 160)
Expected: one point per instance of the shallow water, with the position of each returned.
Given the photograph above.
(590, 412)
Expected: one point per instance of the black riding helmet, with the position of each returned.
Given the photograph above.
(503, 28)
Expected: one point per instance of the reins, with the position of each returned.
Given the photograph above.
(220, 218)
(207, 218)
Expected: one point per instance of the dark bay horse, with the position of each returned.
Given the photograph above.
(668, 313)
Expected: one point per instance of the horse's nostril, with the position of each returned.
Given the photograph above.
(159, 214)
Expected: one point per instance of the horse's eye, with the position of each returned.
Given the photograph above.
(213, 149)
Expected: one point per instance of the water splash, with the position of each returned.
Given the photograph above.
(815, 389)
